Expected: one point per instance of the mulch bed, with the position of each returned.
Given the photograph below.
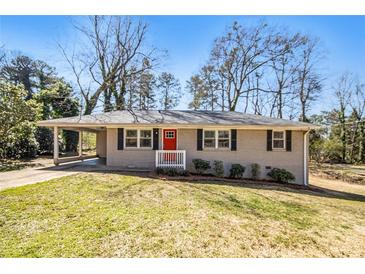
(244, 181)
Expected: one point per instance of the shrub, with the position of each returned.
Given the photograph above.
(236, 171)
(201, 165)
(159, 170)
(218, 168)
(281, 175)
(255, 171)
(172, 172)
(184, 172)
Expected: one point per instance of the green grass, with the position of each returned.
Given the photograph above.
(111, 215)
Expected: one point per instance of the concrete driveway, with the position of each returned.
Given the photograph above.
(46, 172)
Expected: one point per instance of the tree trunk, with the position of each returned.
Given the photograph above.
(361, 142)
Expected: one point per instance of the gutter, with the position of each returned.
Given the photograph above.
(305, 160)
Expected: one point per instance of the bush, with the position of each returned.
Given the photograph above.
(172, 172)
(255, 171)
(218, 168)
(281, 175)
(201, 165)
(236, 171)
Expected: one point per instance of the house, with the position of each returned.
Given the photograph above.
(173, 138)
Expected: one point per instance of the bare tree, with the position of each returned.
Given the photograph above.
(284, 68)
(343, 93)
(357, 104)
(115, 53)
(241, 52)
(309, 80)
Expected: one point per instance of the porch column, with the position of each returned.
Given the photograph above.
(55, 146)
(80, 143)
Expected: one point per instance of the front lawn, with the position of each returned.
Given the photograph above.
(111, 215)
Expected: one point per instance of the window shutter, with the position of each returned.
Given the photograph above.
(155, 138)
(288, 140)
(269, 140)
(233, 139)
(120, 138)
(199, 138)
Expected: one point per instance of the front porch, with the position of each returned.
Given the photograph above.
(171, 159)
(167, 156)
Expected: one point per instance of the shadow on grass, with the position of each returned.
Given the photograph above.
(98, 166)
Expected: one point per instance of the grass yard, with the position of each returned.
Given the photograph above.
(111, 215)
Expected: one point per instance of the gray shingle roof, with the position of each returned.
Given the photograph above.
(176, 117)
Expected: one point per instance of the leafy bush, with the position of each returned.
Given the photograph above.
(172, 172)
(236, 171)
(281, 175)
(201, 165)
(159, 170)
(255, 171)
(218, 168)
(17, 120)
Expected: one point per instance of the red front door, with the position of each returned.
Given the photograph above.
(169, 139)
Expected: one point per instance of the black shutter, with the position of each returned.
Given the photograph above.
(155, 138)
(233, 139)
(269, 140)
(288, 140)
(199, 139)
(120, 138)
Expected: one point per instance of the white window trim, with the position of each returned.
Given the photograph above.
(284, 139)
(138, 139)
(216, 139)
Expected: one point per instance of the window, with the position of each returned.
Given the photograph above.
(140, 138)
(131, 138)
(278, 139)
(216, 139)
(223, 139)
(209, 139)
(169, 134)
(145, 139)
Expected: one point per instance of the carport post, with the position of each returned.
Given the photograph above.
(80, 143)
(55, 145)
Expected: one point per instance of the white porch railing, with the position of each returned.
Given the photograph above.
(171, 158)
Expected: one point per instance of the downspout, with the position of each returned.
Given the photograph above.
(305, 160)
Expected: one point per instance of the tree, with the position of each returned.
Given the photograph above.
(20, 70)
(196, 89)
(342, 92)
(170, 90)
(146, 91)
(309, 80)
(357, 104)
(17, 117)
(239, 54)
(284, 68)
(258, 69)
(56, 101)
(116, 51)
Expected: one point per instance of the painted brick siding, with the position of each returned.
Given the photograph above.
(251, 148)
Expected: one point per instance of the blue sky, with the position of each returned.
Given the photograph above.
(188, 40)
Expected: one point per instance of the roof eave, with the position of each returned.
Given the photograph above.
(116, 125)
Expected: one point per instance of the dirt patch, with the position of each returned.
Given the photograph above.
(354, 174)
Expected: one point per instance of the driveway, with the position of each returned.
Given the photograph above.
(39, 174)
